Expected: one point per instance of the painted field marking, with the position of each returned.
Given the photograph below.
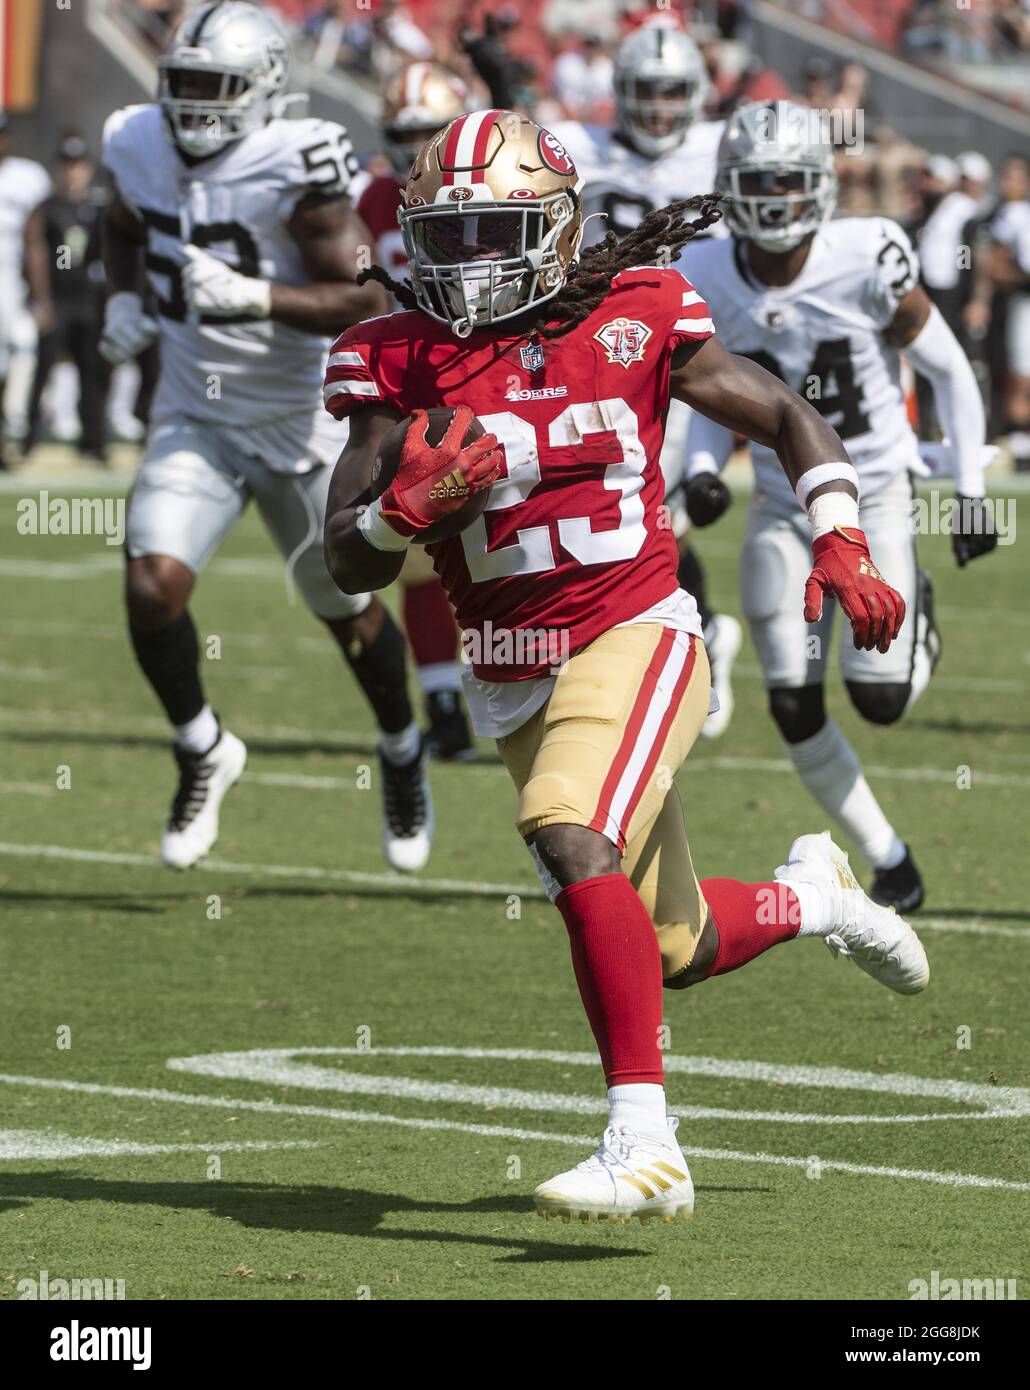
(971, 926)
(35, 1145)
(276, 1067)
(357, 877)
(949, 1179)
(356, 739)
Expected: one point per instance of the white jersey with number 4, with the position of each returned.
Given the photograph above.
(823, 335)
(625, 185)
(237, 205)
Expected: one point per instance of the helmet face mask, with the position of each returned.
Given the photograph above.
(660, 86)
(777, 175)
(491, 220)
(221, 76)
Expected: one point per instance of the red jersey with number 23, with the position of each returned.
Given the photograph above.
(574, 540)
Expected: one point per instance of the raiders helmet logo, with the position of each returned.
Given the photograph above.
(624, 340)
(554, 154)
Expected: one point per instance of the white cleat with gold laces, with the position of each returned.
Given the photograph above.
(642, 1175)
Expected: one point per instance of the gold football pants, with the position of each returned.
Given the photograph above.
(602, 753)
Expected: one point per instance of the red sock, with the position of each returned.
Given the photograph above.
(619, 972)
(750, 917)
(429, 623)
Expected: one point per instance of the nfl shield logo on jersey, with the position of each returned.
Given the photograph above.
(532, 357)
(623, 340)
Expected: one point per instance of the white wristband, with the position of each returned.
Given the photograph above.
(261, 303)
(830, 510)
(824, 473)
(379, 533)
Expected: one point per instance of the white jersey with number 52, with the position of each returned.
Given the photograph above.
(237, 205)
(824, 336)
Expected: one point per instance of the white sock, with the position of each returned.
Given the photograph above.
(439, 675)
(817, 916)
(200, 734)
(829, 768)
(640, 1107)
(400, 748)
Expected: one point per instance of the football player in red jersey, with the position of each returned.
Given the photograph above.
(419, 101)
(587, 660)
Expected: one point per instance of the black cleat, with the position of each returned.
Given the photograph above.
(900, 887)
(407, 812)
(448, 737)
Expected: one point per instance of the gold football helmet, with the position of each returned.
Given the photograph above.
(420, 100)
(492, 219)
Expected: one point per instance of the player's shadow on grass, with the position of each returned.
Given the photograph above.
(265, 747)
(108, 902)
(968, 726)
(358, 748)
(298, 1210)
(962, 914)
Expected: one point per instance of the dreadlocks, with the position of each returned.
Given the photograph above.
(660, 236)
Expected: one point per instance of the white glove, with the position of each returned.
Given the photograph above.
(212, 287)
(127, 329)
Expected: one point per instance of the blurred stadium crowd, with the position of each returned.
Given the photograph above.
(554, 59)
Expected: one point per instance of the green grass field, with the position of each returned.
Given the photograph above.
(163, 1122)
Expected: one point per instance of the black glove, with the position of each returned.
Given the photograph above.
(706, 497)
(974, 532)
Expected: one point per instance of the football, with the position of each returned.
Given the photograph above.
(388, 460)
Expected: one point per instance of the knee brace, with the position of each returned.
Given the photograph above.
(799, 712)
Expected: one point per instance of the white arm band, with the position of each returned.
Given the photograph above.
(379, 533)
(824, 473)
(709, 447)
(935, 353)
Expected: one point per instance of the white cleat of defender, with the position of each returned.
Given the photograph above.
(204, 779)
(641, 1175)
(879, 941)
(723, 649)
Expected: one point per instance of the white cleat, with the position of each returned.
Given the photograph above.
(204, 779)
(879, 941)
(642, 1175)
(723, 647)
(408, 820)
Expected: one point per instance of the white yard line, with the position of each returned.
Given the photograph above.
(35, 1145)
(364, 740)
(971, 926)
(355, 877)
(949, 1179)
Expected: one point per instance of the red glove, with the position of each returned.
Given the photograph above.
(844, 570)
(433, 481)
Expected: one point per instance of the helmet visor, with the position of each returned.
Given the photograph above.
(459, 238)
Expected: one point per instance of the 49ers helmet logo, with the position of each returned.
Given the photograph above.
(554, 154)
(624, 340)
(460, 195)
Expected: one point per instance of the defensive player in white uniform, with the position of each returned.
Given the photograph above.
(828, 307)
(240, 220)
(657, 151)
(23, 186)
